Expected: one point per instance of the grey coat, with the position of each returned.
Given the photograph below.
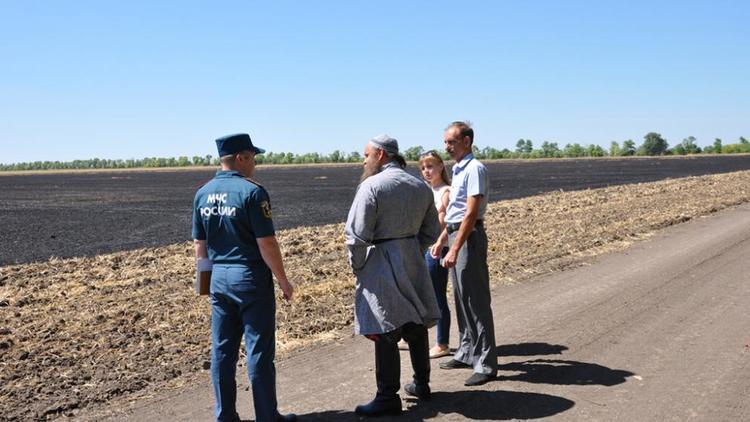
(391, 223)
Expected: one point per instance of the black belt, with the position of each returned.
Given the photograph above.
(453, 227)
(378, 241)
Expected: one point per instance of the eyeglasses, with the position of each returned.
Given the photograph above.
(430, 153)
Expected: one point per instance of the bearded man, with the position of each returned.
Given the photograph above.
(391, 224)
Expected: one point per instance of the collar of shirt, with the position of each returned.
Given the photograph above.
(389, 165)
(228, 173)
(463, 163)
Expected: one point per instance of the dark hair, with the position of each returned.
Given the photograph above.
(397, 158)
(464, 129)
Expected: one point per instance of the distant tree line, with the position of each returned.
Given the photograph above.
(653, 145)
(196, 161)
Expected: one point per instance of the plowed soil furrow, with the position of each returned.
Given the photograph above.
(85, 214)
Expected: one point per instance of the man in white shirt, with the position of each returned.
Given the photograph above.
(467, 258)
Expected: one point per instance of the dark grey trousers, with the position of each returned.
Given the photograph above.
(471, 289)
(388, 361)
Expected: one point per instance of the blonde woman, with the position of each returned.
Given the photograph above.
(433, 172)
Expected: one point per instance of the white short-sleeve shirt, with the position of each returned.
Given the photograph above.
(469, 179)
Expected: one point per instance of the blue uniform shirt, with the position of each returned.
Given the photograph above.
(469, 179)
(230, 213)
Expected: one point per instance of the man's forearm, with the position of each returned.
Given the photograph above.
(200, 249)
(468, 222)
(467, 225)
(443, 239)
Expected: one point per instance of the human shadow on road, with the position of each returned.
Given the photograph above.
(530, 349)
(478, 405)
(562, 372)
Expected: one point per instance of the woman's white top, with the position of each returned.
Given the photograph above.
(438, 194)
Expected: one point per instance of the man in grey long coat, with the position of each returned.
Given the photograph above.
(391, 223)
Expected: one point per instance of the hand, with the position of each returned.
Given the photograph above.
(435, 250)
(450, 259)
(287, 289)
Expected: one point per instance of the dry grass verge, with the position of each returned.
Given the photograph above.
(86, 330)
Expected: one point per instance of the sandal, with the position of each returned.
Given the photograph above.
(438, 352)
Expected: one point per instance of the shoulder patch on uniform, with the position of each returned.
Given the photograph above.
(265, 206)
(253, 182)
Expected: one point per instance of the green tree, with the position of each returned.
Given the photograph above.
(614, 149)
(717, 146)
(336, 156)
(528, 146)
(744, 145)
(492, 153)
(689, 146)
(573, 150)
(550, 149)
(595, 151)
(520, 146)
(654, 144)
(628, 148)
(413, 153)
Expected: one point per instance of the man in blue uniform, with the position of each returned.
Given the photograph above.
(233, 230)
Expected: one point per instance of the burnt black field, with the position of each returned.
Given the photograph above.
(77, 214)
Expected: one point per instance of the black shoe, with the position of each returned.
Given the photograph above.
(421, 392)
(380, 407)
(478, 379)
(289, 417)
(454, 364)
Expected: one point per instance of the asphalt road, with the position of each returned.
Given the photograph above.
(83, 214)
(657, 332)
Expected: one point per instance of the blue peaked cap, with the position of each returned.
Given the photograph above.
(232, 144)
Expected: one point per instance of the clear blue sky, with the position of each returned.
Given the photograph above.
(130, 79)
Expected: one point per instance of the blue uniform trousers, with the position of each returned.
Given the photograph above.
(243, 303)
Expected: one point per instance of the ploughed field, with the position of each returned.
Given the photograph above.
(90, 213)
